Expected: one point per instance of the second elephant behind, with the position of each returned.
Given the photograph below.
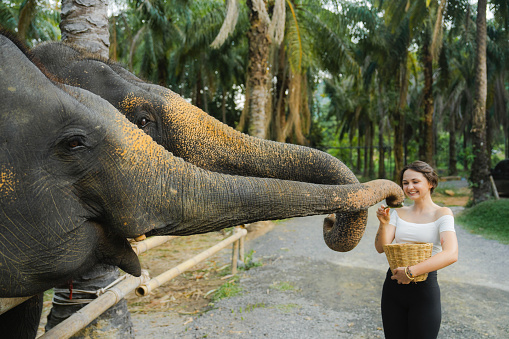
(198, 138)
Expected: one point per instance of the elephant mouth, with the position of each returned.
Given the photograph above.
(114, 249)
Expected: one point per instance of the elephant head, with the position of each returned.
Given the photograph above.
(77, 179)
(198, 138)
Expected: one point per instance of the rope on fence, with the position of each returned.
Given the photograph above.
(88, 313)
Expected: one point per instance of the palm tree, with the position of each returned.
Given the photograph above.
(480, 170)
(34, 21)
(262, 31)
(455, 81)
(425, 19)
(86, 26)
(146, 32)
(498, 49)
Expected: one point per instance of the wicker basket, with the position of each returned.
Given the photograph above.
(403, 255)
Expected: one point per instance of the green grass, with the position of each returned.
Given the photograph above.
(249, 262)
(227, 290)
(457, 192)
(489, 219)
(48, 295)
(283, 286)
(286, 308)
(251, 307)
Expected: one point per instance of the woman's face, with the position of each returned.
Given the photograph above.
(415, 184)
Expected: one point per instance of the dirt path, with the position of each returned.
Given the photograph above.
(305, 290)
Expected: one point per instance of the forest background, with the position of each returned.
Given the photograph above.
(375, 83)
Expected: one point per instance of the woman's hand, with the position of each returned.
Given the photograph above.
(382, 213)
(400, 275)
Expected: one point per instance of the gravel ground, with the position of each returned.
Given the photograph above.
(305, 290)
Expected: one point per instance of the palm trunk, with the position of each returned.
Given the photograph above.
(399, 125)
(359, 151)
(257, 69)
(453, 170)
(489, 138)
(371, 150)
(279, 115)
(85, 24)
(26, 16)
(381, 132)
(428, 104)
(223, 105)
(465, 144)
(480, 171)
(367, 149)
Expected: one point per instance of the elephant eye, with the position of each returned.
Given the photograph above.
(143, 122)
(75, 142)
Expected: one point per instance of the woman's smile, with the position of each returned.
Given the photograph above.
(415, 184)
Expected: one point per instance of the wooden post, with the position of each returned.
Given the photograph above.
(235, 255)
(494, 187)
(241, 250)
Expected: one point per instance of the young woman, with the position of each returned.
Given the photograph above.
(413, 310)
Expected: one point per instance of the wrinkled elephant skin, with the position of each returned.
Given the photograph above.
(190, 133)
(78, 179)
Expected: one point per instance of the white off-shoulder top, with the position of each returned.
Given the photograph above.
(409, 232)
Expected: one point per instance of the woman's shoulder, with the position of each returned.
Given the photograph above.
(401, 211)
(442, 211)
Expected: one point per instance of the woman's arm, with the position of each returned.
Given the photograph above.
(449, 255)
(386, 231)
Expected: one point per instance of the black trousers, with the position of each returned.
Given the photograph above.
(413, 310)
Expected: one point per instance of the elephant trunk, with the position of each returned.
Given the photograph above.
(163, 194)
(210, 201)
(207, 143)
(343, 231)
(229, 151)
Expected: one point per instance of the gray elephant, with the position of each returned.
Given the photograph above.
(77, 179)
(193, 135)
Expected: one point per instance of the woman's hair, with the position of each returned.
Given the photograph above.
(426, 170)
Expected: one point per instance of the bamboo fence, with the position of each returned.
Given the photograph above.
(143, 285)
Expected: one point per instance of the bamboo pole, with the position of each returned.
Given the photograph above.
(154, 283)
(145, 245)
(494, 187)
(235, 255)
(87, 314)
(9, 303)
(241, 250)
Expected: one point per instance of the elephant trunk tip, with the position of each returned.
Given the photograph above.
(337, 237)
(395, 200)
(328, 223)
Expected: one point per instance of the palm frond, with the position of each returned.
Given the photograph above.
(294, 41)
(8, 19)
(277, 23)
(230, 21)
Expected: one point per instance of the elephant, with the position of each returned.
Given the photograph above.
(77, 179)
(198, 138)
